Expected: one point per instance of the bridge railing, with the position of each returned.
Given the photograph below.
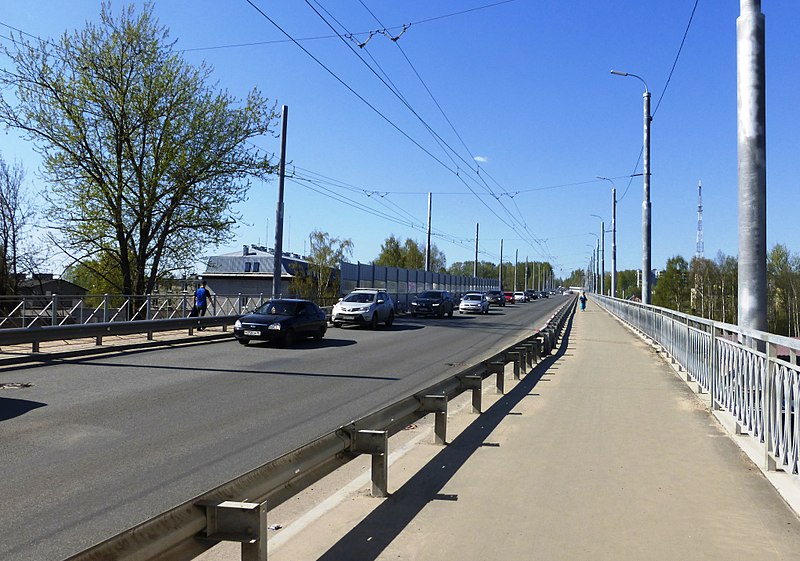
(237, 510)
(753, 375)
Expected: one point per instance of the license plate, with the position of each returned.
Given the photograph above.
(253, 333)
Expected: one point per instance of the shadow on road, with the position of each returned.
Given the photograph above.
(370, 538)
(11, 407)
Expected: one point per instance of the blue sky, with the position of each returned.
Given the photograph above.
(521, 88)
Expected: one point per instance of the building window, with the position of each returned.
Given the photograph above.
(256, 267)
(247, 267)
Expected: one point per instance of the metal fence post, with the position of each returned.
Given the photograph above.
(768, 407)
(54, 303)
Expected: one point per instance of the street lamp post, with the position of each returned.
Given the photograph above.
(646, 207)
(602, 254)
(613, 236)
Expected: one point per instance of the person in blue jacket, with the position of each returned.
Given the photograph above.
(583, 300)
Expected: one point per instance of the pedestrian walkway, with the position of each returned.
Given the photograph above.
(600, 453)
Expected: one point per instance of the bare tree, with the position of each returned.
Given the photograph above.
(15, 213)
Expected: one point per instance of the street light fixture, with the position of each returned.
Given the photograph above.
(602, 253)
(613, 236)
(646, 207)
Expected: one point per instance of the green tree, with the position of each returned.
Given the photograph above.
(782, 273)
(320, 280)
(672, 289)
(409, 255)
(140, 146)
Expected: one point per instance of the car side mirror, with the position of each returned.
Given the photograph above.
(340, 299)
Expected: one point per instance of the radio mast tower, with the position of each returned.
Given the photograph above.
(700, 246)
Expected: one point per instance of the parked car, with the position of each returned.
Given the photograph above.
(495, 298)
(283, 320)
(364, 306)
(508, 296)
(433, 302)
(474, 302)
(531, 295)
(519, 296)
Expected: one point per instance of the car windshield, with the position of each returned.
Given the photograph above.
(360, 297)
(472, 297)
(277, 308)
(432, 294)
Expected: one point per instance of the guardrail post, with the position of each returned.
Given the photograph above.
(148, 313)
(499, 368)
(516, 357)
(105, 308)
(436, 404)
(54, 302)
(712, 384)
(474, 383)
(523, 355)
(238, 522)
(375, 443)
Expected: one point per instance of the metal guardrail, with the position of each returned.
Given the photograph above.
(36, 335)
(237, 510)
(751, 374)
(62, 310)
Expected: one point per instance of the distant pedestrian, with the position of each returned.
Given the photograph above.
(201, 297)
(583, 300)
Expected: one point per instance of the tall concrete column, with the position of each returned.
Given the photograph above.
(751, 110)
(613, 242)
(646, 207)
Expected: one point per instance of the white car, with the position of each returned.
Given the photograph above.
(474, 302)
(364, 306)
(519, 297)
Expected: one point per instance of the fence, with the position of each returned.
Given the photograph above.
(753, 375)
(403, 284)
(56, 310)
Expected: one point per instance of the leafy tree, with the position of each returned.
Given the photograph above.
(783, 278)
(391, 254)
(672, 289)
(320, 280)
(409, 255)
(142, 149)
(628, 283)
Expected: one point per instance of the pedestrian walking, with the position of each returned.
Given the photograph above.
(583, 300)
(201, 297)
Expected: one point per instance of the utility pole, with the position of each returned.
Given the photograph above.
(475, 267)
(751, 110)
(516, 262)
(501, 265)
(277, 265)
(428, 244)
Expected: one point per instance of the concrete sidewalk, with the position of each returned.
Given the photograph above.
(600, 453)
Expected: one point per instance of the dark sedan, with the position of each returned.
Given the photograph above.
(495, 298)
(281, 320)
(433, 302)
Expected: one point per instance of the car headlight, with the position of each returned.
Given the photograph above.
(414, 304)
(237, 325)
(275, 326)
(436, 304)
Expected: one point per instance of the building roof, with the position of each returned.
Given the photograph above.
(256, 261)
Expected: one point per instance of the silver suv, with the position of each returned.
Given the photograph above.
(364, 306)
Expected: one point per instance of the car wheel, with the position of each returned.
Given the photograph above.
(451, 313)
(337, 323)
(374, 323)
(390, 319)
(413, 314)
(320, 333)
(440, 314)
(243, 341)
(288, 339)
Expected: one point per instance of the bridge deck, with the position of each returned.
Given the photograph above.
(602, 452)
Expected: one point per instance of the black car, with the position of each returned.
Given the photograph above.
(283, 320)
(495, 298)
(433, 302)
(531, 295)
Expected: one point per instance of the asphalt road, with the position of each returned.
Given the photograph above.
(99, 444)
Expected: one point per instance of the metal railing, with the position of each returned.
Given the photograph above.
(59, 310)
(237, 510)
(753, 375)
